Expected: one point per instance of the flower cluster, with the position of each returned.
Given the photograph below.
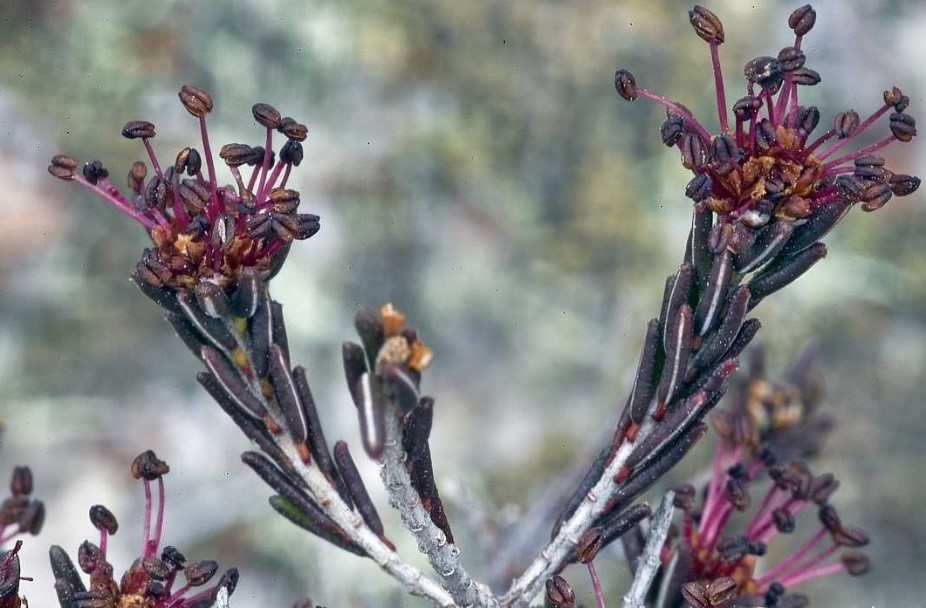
(154, 580)
(765, 420)
(765, 174)
(204, 232)
(19, 514)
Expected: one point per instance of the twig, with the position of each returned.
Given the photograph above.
(443, 556)
(649, 561)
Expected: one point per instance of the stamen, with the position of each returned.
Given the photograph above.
(596, 584)
(685, 114)
(213, 210)
(866, 150)
(151, 155)
(718, 87)
(112, 196)
(265, 165)
(788, 562)
(858, 131)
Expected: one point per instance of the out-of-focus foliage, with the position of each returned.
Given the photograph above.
(471, 163)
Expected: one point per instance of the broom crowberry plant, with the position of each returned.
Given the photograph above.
(767, 185)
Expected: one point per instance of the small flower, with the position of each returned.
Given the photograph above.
(203, 231)
(154, 580)
(20, 513)
(764, 165)
(766, 423)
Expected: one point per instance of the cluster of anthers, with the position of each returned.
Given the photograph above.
(765, 166)
(154, 580)
(20, 514)
(203, 231)
(763, 425)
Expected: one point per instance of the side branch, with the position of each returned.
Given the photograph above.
(649, 560)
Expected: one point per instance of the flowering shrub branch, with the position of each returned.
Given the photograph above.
(765, 192)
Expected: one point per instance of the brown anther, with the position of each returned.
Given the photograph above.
(21, 481)
(802, 19)
(148, 466)
(236, 155)
(721, 590)
(193, 194)
(188, 160)
(830, 518)
(902, 185)
(625, 84)
(136, 176)
(764, 71)
(791, 58)
(294, 130)
(283, 200)
(706, 24)
(895, 97)
(32, 518)
(850, 537)
(695, 593)
(589, 545)
(266, 115)
(89, 557)
(784, 520)
(694, 152)
(94, 172)
(747, 107)
(559, 593)
(196, 101)
(157, 192)
(173, 557)
(823, 487)
(807, 119)
(846, 123)
(805, 77)
(672, 129)
(103, 519)
(876, 196)
(156, 568)
(63, 166)
(903, 126)
(724, 150)
(737, 493)
(292, 153)
(684, 497)
(138, 129)
(856, 562)
(766, 135)
(199, 573)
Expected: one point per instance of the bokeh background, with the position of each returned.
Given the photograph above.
(471, 163)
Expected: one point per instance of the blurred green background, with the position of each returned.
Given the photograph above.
(471, 164)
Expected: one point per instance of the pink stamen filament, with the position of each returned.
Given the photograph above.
(717, 478)
(861, 129)
(866, 150)
(770, 106)
(812, 574)
(718, 87)
(121, 205)
(146, 528)
(262, 196)
(689, 119)
(596, 585)
(236, 173)
(760, 512)
(820, 141)
(153, 157)
(265, 165)
(104, 537)
(253, 179)
(213, 208)
(286, 173)
(784, 96)
(806, 570)
(155, 540)
(790, 561)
